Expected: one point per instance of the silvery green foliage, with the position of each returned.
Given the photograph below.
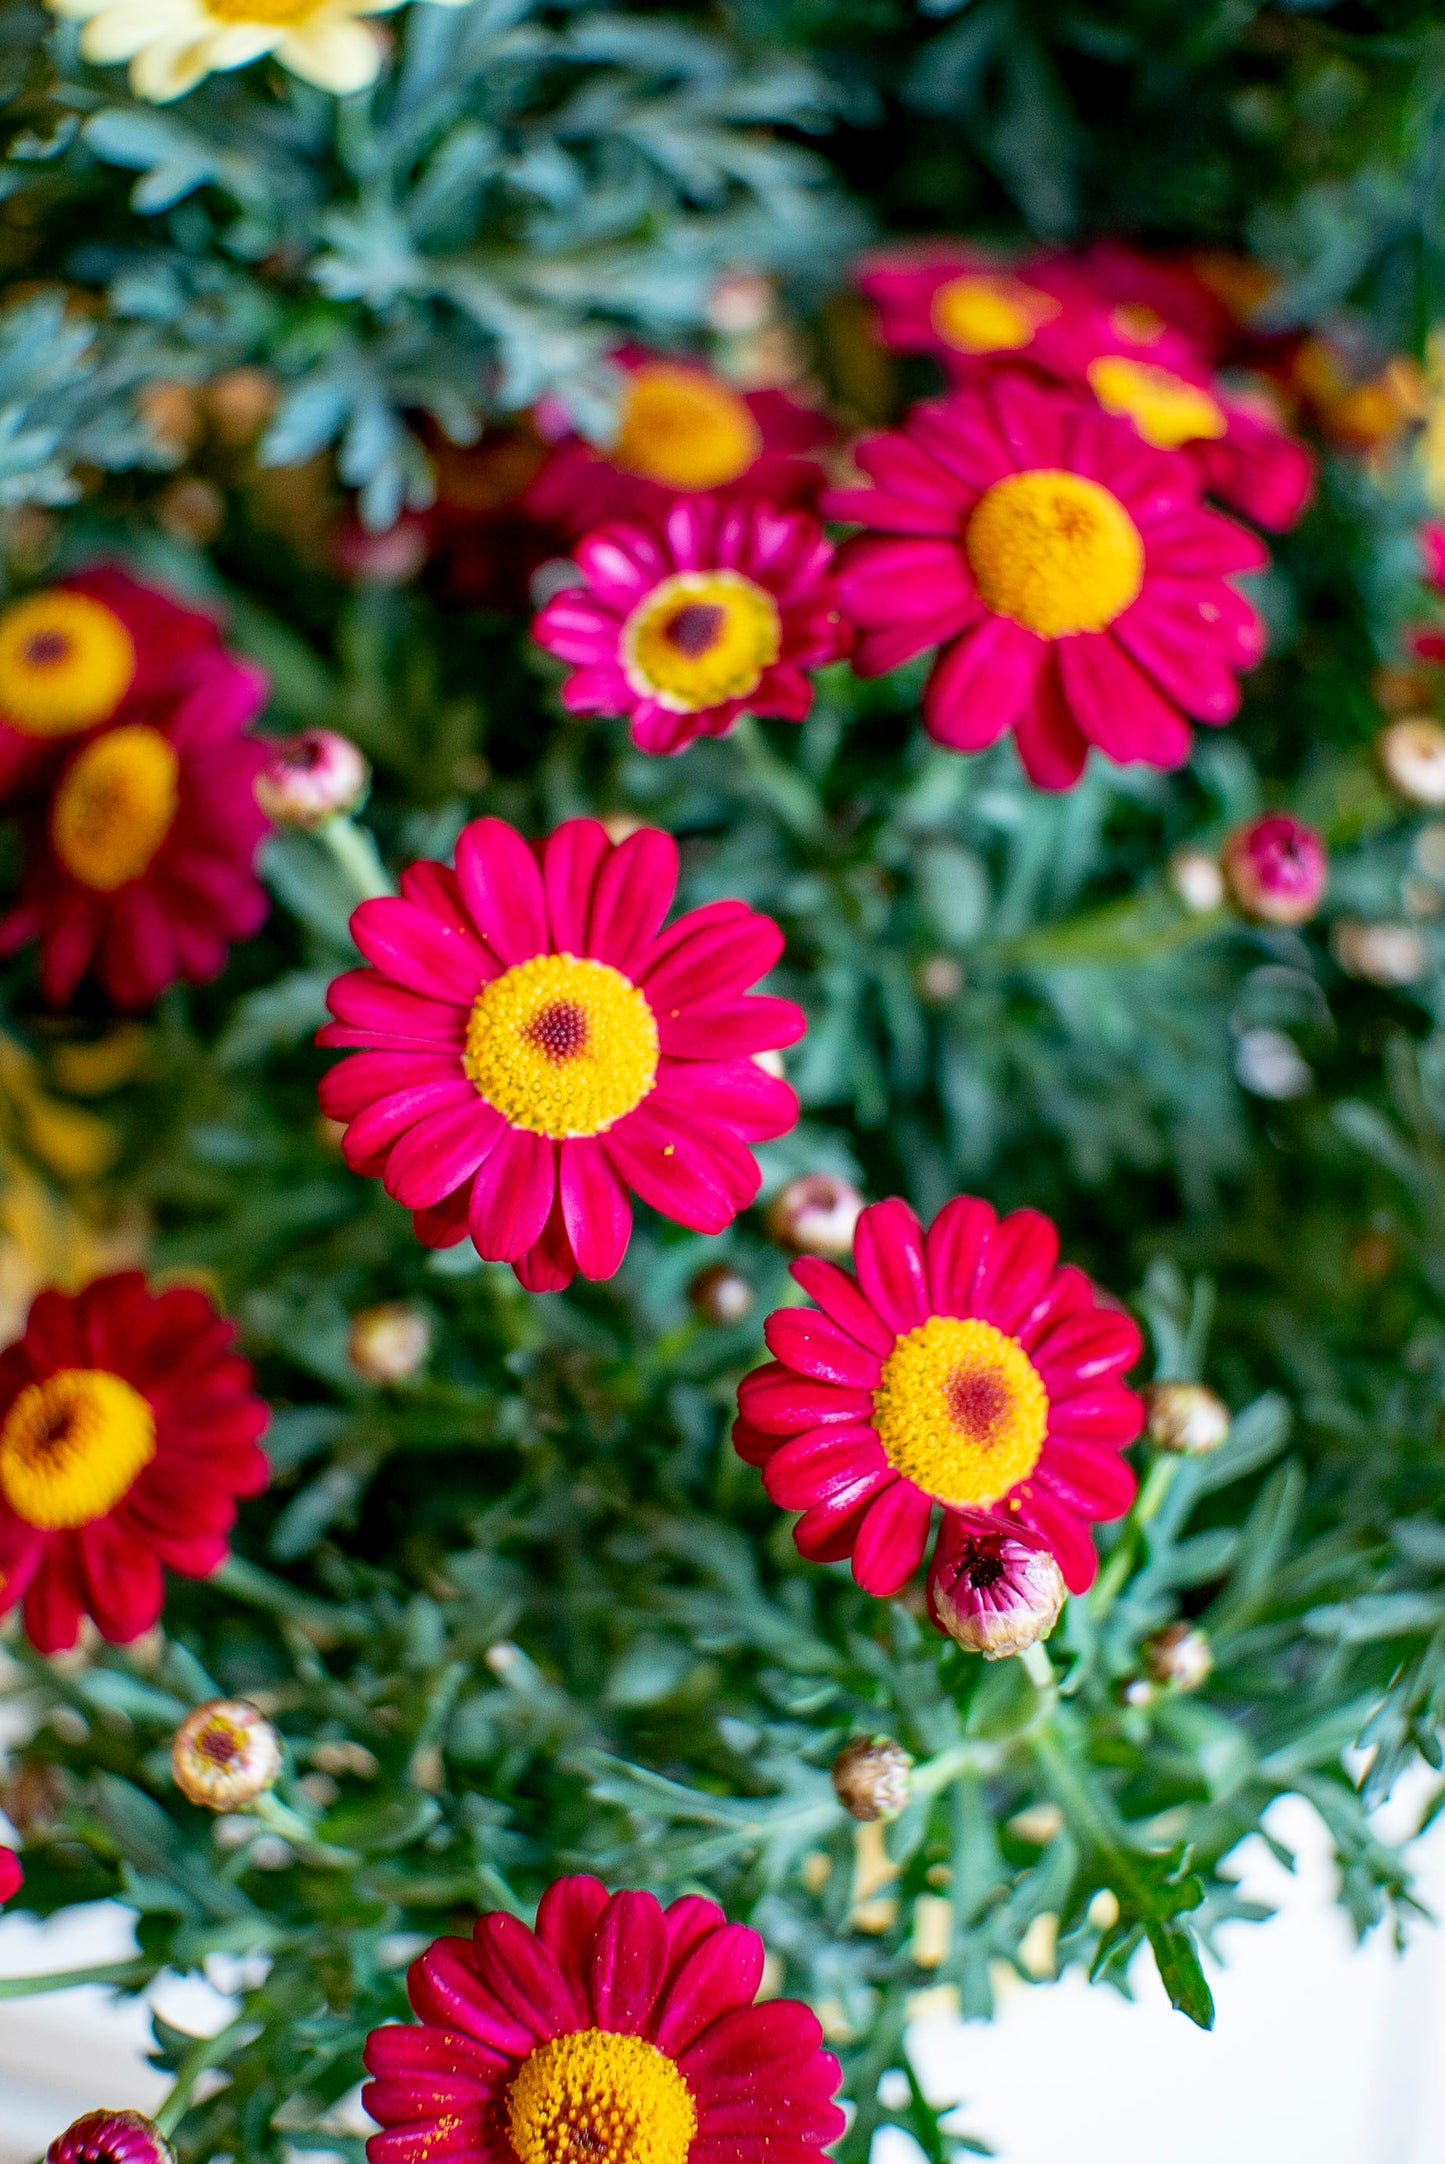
(66, 396)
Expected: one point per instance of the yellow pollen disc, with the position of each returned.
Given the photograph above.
(961, 1411)
(1141, 326)
(115, 806)
(66, 662)
(1054, 551)
(562, 1046)
(275, 14)
(72, 1446)
(681, 428)
(1165, 409)
(599, 2098)
(699, 638)
(989, 315)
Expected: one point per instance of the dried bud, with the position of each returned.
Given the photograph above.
(31, 1797)
(225, 1754)
(993, 1592)
(111, 2137)
(1276, 868)
(1268, 1064)
(389, 1343)
(308, 779)
(1386, 954)
(871, 1777)
(815, 1215)
(1179, 1655)
(721, 1294)
(1412, 759)
(1197, 879)
(1185, 1418)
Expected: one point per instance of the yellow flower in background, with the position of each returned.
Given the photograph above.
(1432, 436)
(172, 44)
(44, 1240)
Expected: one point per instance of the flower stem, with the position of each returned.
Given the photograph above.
(120, 1973)
(1119, 1568)
(205, 2052)
(355, 855)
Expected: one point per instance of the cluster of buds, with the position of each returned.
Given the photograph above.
(225, 1755)
(310, 778)
(389, 1343)
(111, 2137)
(1276, 869)
(871, 1778)
(1185, 1418)
(815, 1214)
(993, 1591)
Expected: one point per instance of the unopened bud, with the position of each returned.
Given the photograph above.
(1276, 868)
(1196, 878)
(111, 2137)
(1179, 1655)
(992, 1592)
(12, 1877)
(872, 1778)
(721, 1294)
(389, 1343)
(1411, 753)
(225, 1754)
(1385, 954)
(1185, 1418)
(308, 779)
(940, 979)
(815, 1214)
(619, 827)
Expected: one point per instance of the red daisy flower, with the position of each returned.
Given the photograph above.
(12, 1877)
(1077, 588)
(948, 298)
(960, 1367)
(128, 1428)
(536, 1045)
(683, 625)
(140, 867)
(681, 430)
(617, 2030)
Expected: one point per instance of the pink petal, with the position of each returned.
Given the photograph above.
(595, 1208)
(955, 1245)
(1088, 1347)
(712, 961)
(511, 1201)
(891, 1539)
(1061, 1531)
(825, 1462)
(808, 1342)
(1095, 1483)
(1020, 1261)
(367, 1077)
(567, 1916)
(687, 1177)
(371, 1134)
(1049, 741)
(730, 1029)
(1170, 652)
(502, 887)
(633, 894)
(827, 1533)
(417, 951)
(780, 1401)
(720, 1975)
(726, 1093)
(837, 1294)
(573, 857)
(629, 1961)
(521, 1973)
(981, 684)
(1101, 1413)
(1117, 707)
(442, 1151)
(888, 1256)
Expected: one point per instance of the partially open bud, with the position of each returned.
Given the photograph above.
(389, 1343)
(871, 1778)
(307, 779)
(815, 1214)
(225, 1754)
(1276, 868)
(1185, 1418)
(1180, 1656)
(1412, 759)
(721, 1294)
(111, 2137)
(1196, 878)
(992, 1591)
(1385, 954)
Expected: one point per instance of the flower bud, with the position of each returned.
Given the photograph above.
(111, 2137)
(12, 1878)
(307, 779)
(721, 1295)
(1197, 879)
(815, 1214)
(225, 1754)
(871, 1777)
(1276, 868)
(1179, 1655)
(389, 1343)
(940, 979)
(1411, 753)
(992, 1591)
(1185, 1418)
(1385, 954)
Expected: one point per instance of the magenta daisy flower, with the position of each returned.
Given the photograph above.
(1078, 591)
(717, 610)
(960, 1368)
(618, 2031)
(948, 298)
(535, 1048)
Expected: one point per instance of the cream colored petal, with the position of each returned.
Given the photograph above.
(240, 43)
(78, 10)
(164, 72)
(127, 27)
(336, 56)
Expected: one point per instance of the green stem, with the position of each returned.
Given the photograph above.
(780, 786)
(316, 1619)
(292, 1827)
(354, 853)
(1037, 1666)
(119, 1973)
(1119, 1568)
(204, 2053)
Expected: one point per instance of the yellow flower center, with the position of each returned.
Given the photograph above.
(72, 1446)
(277, 13)
(115, 806)
(961, 1411)
(1054, 551)
(66, 662)
(985, 314)
(699, 638)
(1165, 409)
(562, 1046)
(681, 428)
(598, 2098)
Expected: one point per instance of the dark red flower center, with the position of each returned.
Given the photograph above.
(45, 648)
(978, 1402)
(696, 628)
(560, 1030)
(219, 1744)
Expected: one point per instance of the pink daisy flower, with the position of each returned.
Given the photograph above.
(681, 430)
(1078, 591)
(535, 1047)
(949, 298)
(12, 1875)
(960, 1368)
(140, 867)
(716, 610)
(618, 2031)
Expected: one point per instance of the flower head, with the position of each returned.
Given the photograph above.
(718, 610)
(225, 1754)
(12, 1877)
(128, 1428)
(951, 299)
(992, 1591)
(389, 1343)
(618, 2031)
(1078, 591)
(1277, 869)
(111, 2137)
(309, 778)
(533, 1046)
(959, 1368)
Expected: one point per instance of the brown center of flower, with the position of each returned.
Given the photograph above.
(696, 628)
(596, 2097)
(72, 1446)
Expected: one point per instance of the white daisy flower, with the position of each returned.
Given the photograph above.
(172, 44)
